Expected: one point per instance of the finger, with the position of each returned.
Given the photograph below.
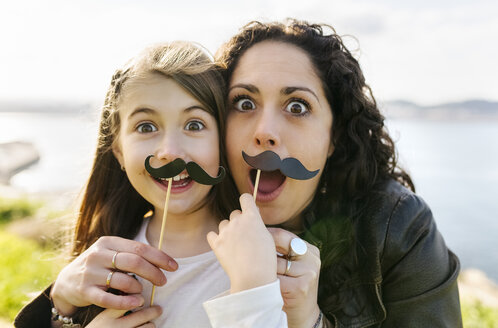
(149, 253)
(104, 299)
(211, 238)
(235, 214)
(310, 262)
(282, 267)
(223, 225)
(130, 262)
(298, 287)
(282, 239)
(287, 285)
(140, 317)
(247, 203)
(125, 283)
(147, 325)
(113, 313)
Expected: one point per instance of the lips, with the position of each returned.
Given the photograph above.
(270, 184)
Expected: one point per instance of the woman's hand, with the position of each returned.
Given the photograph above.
(299, 285)
(114, 318)
(245, 248)
(83, 281)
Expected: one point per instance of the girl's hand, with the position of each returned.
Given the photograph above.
(83, 281)
(245, 248)
(299, 285)
(114, 318)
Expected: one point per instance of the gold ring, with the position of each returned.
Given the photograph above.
(114, 261)
(287, 269)
(108, 280)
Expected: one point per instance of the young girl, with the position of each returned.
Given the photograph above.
(166, 102)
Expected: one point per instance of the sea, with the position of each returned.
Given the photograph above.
(453, 163)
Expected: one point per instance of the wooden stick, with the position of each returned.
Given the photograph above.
(256, 184)
(163, 225)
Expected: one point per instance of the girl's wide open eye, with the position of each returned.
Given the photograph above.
(194, 126)
(243, 103)
(146, 128)
(298, 107)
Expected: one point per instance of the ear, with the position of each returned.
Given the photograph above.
(331, 148)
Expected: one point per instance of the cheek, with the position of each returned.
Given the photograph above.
(324, 147)
(208, 156)
(135, 156)
(215, 162)
(312, 151)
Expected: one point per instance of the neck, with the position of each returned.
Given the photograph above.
(184, 234)
(294, 225)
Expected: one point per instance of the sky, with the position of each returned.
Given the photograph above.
(424, 51)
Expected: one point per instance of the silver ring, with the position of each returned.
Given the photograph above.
(297, 247)
(287, 269)
(113, 263)
(108, 280)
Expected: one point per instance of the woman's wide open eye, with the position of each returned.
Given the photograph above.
(194, 126)
(146, 128)
(243, 104)
(297, 107)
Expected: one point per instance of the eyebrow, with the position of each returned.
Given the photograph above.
(199, 107)
(289, 90)
(285, 91)
(147, 110)
(249, 87)
(141, 110)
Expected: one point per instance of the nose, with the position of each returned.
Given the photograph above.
(169, 148)
(266, 132)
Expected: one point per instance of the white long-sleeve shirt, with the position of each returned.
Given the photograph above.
(196, 295)
(257, 307)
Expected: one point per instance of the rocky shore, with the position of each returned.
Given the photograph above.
(15, 157)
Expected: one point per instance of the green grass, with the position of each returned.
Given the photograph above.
(476, 315)
(25, 268)
(12, 209)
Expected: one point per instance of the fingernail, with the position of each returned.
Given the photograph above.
(140, 301)
(173, 264)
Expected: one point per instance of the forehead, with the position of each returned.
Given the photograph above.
(271, 60)
(155, 91)
(146, 84)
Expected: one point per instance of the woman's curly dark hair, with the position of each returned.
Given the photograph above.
(364, 155)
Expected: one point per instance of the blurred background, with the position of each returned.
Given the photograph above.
(431, 65)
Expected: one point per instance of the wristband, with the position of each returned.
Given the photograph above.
(67, 322)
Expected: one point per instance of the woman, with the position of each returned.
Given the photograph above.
(296, 90)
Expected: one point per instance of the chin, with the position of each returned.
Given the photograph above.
(271, 216)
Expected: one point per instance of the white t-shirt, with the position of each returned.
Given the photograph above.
(200, 279)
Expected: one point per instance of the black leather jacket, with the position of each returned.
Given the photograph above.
(412, 276)
(411, 280)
